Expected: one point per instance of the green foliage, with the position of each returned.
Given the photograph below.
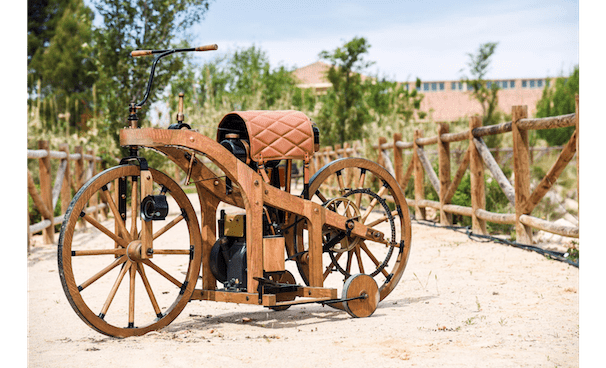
(558, 99)
(353, 103)
(478, 65)
(344, 111)
(130, 25)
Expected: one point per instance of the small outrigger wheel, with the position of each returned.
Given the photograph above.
(360, 285)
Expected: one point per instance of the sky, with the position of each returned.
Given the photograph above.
(409, 39)
(428, 39)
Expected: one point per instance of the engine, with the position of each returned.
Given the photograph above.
(262, 140)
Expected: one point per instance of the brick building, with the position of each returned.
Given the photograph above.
(447, 100)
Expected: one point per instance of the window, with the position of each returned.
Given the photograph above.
(512, 84)
(488, 84)
(469, 87)
(434, 86)
(532, 83)
(540, 83)
(425, 86)
(524, 83)
(441, 85)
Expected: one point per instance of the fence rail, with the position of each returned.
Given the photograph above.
(478, 158)
(68, 179)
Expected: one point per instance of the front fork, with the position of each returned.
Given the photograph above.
(147, 183)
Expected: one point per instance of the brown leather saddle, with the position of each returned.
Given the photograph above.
(272, 135)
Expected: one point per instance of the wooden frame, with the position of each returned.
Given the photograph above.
(252, 194)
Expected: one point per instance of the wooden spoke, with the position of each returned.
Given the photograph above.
(134, 201)
(148, 288)
(114, 289)
(359, 257)
(168, 226)
(162, 272)
(360, 186)
(340, 181)
(99, 252)
(131, 296)
(330, 266)
(349, 259)
(372, 258)
(118, 218)
(382, 219)
(321, 196)
(171, 251)
(103, 272)
(373, 203)
(122, 242)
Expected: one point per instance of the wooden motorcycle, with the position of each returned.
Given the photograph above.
(348, 228)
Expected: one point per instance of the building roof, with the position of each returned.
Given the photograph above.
(313, 75)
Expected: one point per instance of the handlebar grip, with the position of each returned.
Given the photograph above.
(207, 47)
(140, 53)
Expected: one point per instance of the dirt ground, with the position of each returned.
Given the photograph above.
(460, 303)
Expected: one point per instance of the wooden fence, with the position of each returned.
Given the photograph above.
(67, 178)
(477, 158)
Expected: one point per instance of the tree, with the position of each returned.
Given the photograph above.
(344, 111)
(355, 101)
(138, 24)
(66, 64)
(478, 65)
(558, 99)
(60, 66)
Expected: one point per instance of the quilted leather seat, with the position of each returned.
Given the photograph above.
(273, 135)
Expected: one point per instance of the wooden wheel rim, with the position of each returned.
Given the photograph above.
(394, 189)
(64, 255)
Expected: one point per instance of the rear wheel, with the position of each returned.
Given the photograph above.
(364, 192)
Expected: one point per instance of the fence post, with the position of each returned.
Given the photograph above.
(521, 168)
(380, 160)
(94, 200)
(444, 165)
(78, 175)
(576, 105)
(48, 234)
(398, 161)
(476, 168)
(67, 180)
(418, 169)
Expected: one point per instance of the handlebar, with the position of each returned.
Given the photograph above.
(137, 53)
(163, 53)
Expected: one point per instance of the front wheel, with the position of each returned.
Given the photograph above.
(108, 283)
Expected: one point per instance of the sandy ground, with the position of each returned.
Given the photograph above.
(459, 303)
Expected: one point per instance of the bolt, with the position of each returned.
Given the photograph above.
(256, 183)
(216, 182)
(150, 252)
